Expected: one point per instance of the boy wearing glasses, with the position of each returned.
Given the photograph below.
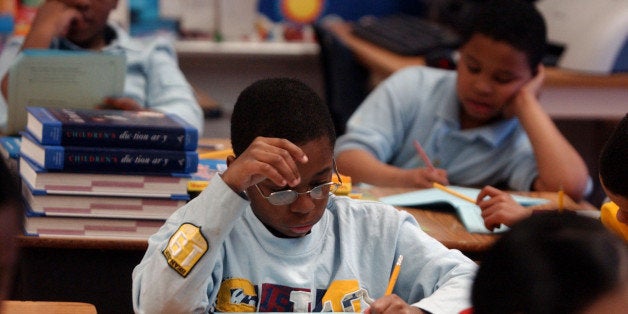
(268, 236)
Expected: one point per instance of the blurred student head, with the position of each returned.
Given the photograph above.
(551, 263)
(500, 53)
(613, 165)
(516, 23)
(88, 18)
(11, 212)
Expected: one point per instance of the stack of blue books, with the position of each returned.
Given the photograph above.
(104, 173)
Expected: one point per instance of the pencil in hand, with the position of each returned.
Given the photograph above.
(423, 155)
(394, 275)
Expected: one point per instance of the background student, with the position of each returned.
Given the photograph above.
(553, 262)
(267, 235)
(481, 124)
(153, 79)
(498, 207)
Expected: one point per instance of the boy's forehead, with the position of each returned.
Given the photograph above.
(502, 55)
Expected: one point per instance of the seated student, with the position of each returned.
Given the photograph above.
(481, 124)
(11, 213)
(498, 207)
(267, 235)
(553, 262)
(614, 179)
(153, 79)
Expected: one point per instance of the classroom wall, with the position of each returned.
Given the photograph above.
(223, 76)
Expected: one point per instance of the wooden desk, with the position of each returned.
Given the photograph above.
(598, 96)
(449, 230)
(37, 307)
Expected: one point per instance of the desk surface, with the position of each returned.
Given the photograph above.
(443, 226)
(449, 230)
(383, 62)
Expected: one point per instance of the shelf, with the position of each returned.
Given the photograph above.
(246, 48)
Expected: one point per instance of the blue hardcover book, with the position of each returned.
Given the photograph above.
(107, 159)
(10, 146)
(110, 128)
(10, 151)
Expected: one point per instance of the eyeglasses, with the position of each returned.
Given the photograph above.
(318, 192)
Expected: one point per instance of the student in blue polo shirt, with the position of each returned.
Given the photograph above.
(153, 78)
(480, 125)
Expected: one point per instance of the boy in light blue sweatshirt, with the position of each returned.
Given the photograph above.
(268, 235)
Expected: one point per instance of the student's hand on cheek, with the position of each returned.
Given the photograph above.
(533, 87)
(528, 92)
(54, 16)
(266, 158)
(392, 304)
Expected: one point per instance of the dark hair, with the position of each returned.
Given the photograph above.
(283, 108)
(549, 263)
(614, 160)
(515, 22)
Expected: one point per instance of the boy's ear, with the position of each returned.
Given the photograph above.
(230, 159)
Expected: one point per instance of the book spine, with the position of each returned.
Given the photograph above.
(79, 159)
(175, 135)
(132, 137)
(113, 160)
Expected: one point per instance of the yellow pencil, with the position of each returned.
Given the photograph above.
(394, 275)
(454, 193)
(561, 199)
(423, 155)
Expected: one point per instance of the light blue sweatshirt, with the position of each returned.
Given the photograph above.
(213, 254)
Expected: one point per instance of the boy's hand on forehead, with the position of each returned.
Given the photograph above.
(266, 158)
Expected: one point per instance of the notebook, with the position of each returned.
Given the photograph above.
(62, 79)
(469, 213)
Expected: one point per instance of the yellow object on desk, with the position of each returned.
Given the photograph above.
(608, 216)
(217, 154)
(346, 187)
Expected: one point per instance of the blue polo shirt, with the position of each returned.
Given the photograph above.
(421, 103)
